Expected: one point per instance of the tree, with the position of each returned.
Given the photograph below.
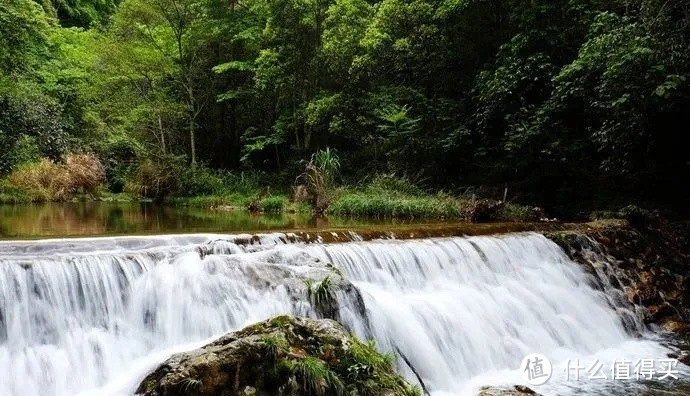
(170, 28)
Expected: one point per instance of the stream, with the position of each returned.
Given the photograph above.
(92, 316)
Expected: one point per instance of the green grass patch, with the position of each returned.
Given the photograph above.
(515, 212)
(236, 200)
(274, 204)
(364, 204)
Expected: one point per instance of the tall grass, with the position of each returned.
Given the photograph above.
(46, 180)
(362, 204)
(273, 204)
(318, 178)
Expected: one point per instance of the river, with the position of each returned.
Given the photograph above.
(92, 316)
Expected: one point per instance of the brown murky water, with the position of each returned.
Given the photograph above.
(74, 219)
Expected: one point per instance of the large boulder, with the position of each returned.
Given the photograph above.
(285, 355)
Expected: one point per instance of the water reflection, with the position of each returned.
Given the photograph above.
(119, 218)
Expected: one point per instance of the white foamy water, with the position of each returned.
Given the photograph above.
(94, 316)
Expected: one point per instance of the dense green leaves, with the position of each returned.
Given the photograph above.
(558, 99)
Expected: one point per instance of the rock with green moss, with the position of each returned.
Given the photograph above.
(285, 355)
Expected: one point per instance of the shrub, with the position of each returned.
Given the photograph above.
(46, 180)
(85, 172)
(25, 150)
(155, 180)
(29, 120)
(243, 182)
(273, 204)
(318, 177)
(119, 154)
(328, 164)
(639, 217)
(514, 212)
(11, 194)
(603, 215)
(200, 180)
(43, 180)
(484, 210)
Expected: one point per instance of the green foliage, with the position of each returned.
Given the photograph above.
(200, 180)
(366, 358)
(25, 150)
(366, 205)
(321, 294)
(328, 164)
(82, 13)
(273, 204)
(514, 212)
(390, 183)
(319, 176)
(46, 180)
(274, 347)
(590, 94)
(156, 179)
(28, 118)
(24, 31)
(315, 378)
(189, 386)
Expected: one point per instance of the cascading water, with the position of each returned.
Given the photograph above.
(94, 315)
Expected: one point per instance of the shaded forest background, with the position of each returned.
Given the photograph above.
(568, 103)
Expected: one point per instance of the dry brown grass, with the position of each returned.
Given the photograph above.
(50, 181)
(153, 180)
(85, 171)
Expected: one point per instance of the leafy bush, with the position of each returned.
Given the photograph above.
(484, 210)
(200, 180)
(155, 179)
(638, 217)
(11, 194)
(273, 204)
(43, 181)
(29, 120)
(25, 150)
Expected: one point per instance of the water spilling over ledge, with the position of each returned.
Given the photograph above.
(96, 315)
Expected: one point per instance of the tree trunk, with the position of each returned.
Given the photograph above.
(160, 129)
(192, 141)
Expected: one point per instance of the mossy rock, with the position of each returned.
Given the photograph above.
(284, 355)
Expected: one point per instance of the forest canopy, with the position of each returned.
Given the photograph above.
(565, 102)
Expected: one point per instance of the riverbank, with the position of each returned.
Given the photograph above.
(83, 178)
(351, 203)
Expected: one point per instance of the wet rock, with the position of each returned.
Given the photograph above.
(285, 355)
(517, 390)
(650, 262)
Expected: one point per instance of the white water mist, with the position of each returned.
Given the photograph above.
(87, 315)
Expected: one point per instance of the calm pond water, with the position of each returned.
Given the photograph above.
(121, 218)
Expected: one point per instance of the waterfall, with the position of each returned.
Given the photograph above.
(94, 315)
